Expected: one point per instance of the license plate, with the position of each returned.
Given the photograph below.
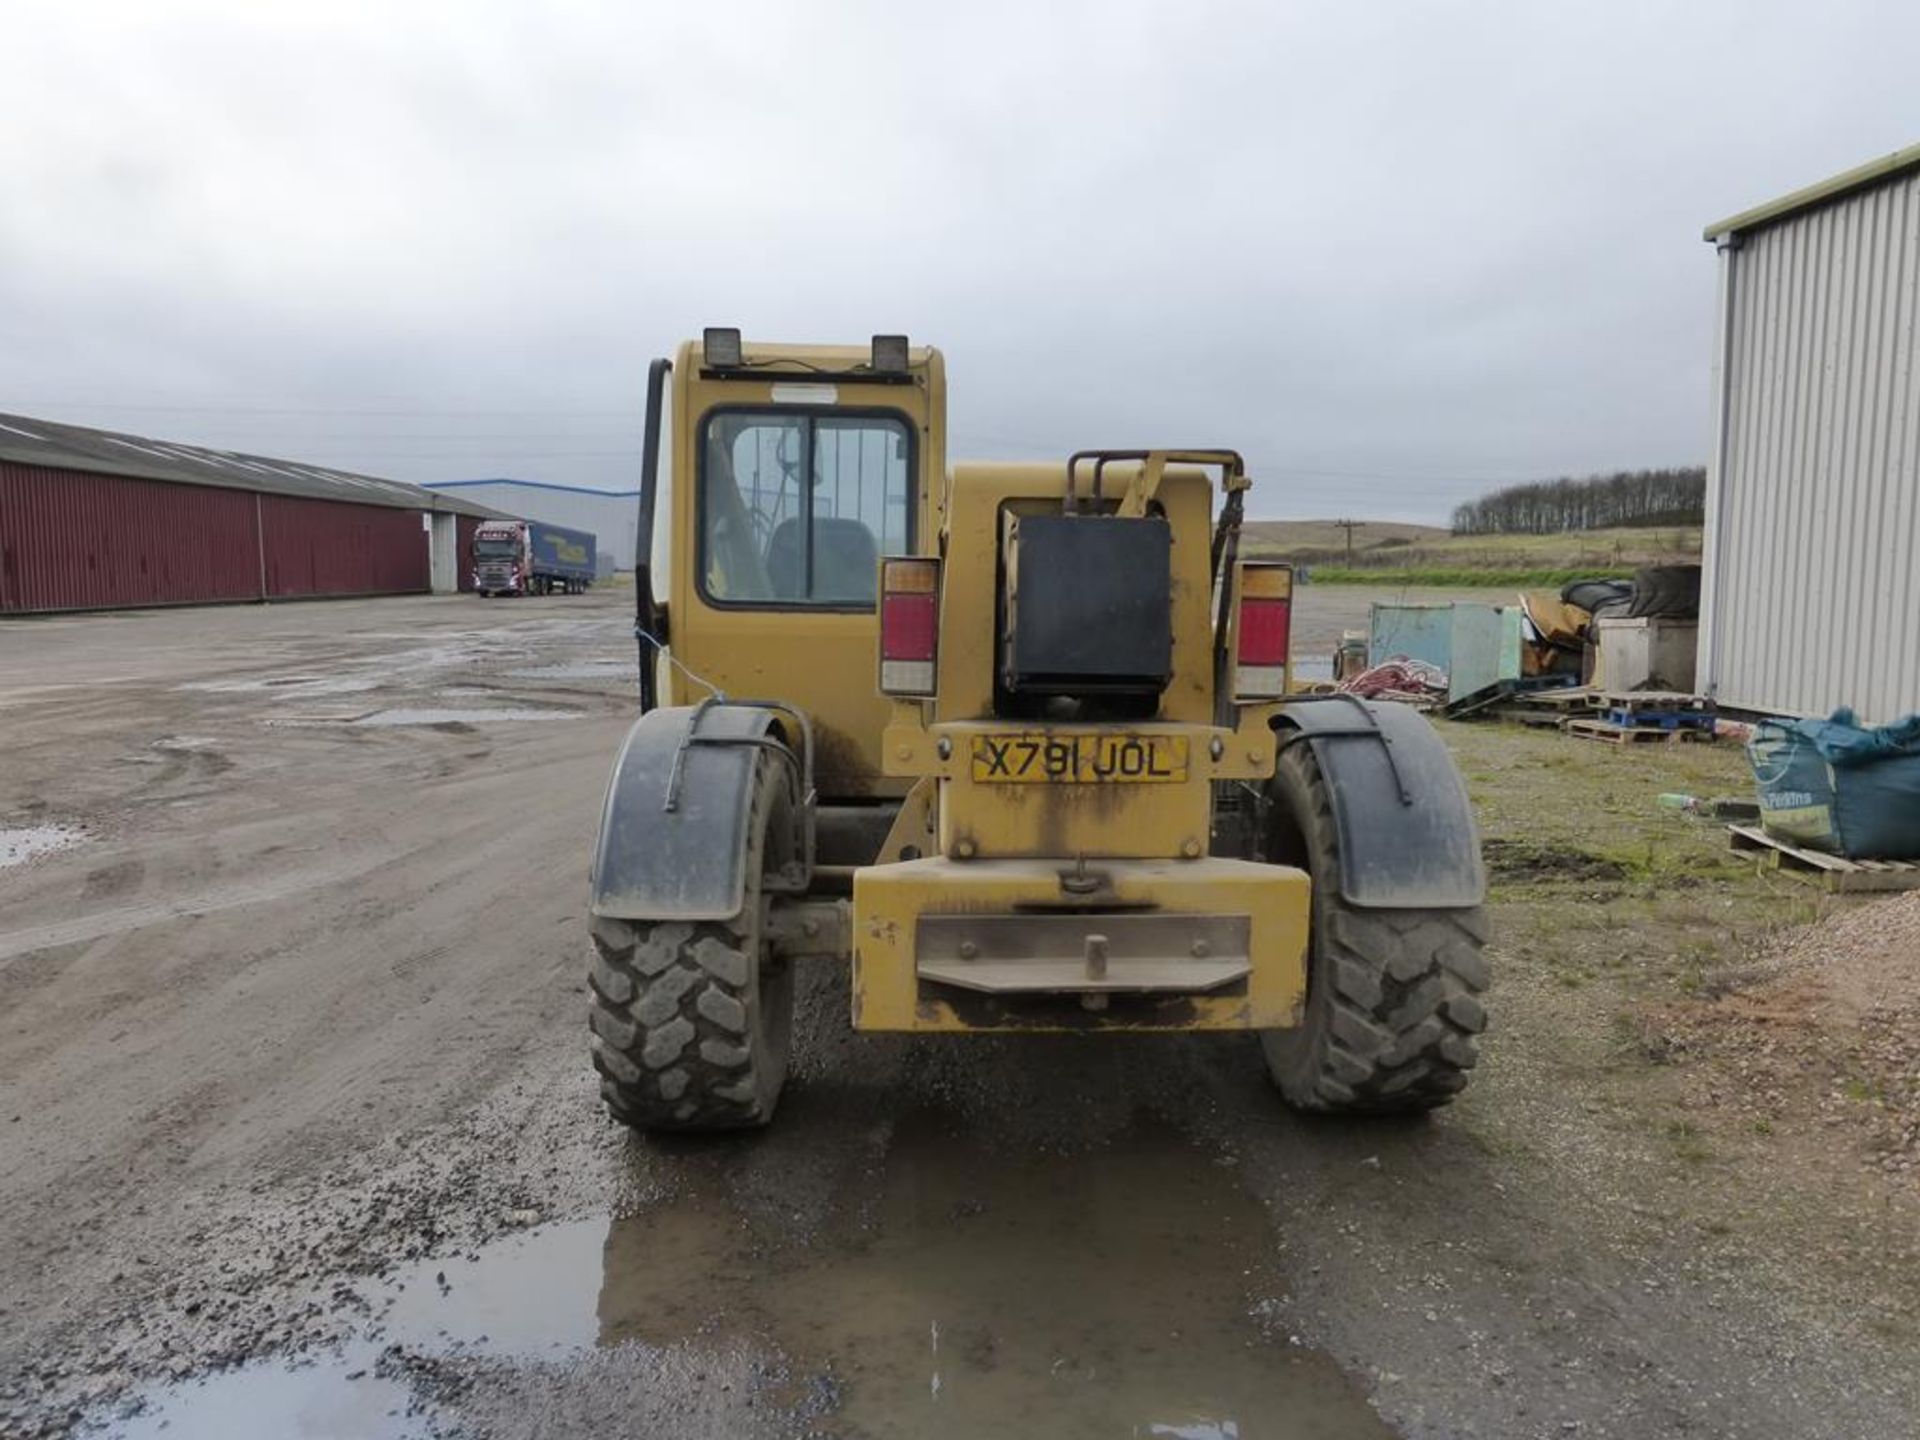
(1088, 759)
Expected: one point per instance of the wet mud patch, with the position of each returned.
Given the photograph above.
(104, 882)
(440, 719)
(188, 758)
(283, 687)
(402, 718)
(614, 671)
(1523, 862)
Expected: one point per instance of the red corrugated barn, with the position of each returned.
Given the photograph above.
(92, 520)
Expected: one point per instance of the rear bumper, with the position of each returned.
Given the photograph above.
(1206, 944)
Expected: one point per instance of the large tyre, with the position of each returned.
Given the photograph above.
(1590, 595)
(1393, 1003)
(1667, 592)
(692, 1020)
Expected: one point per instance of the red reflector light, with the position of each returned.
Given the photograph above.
(1265, 627)
(908, 627)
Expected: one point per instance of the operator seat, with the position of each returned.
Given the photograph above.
(846, 561)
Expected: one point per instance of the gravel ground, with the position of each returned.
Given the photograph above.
(1837, 1002)
(297, 1121)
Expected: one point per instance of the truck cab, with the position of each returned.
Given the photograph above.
(501, 558)
(531, 557)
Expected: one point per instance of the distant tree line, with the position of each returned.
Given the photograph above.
(1625, 498)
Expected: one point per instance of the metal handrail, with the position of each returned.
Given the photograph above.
(646, 610)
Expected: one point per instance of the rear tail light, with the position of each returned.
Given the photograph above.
(909, 626)
(1262, 630)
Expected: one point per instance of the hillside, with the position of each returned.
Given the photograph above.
(1322, 538)
(1425, 554)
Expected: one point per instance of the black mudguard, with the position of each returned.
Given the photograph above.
(1405, 827)
(682, 860)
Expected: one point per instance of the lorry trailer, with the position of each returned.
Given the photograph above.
(530, 557)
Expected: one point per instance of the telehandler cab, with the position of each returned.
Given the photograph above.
(1016, 741)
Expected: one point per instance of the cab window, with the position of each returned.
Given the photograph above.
(796, 508)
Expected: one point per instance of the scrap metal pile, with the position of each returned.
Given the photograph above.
(1560, 628)
(1400, 678)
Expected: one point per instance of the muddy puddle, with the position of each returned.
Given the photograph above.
(609, 670)
(965, 1292)
(407, 717)
(335, 1398)
(29, 842)
(284, 687)
(461, 717)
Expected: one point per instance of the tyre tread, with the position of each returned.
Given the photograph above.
(1400, 1013)
(670, 1027)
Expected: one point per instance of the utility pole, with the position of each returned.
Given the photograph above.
(1348, 525)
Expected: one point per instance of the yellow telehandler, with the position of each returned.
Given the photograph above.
(1015, 741)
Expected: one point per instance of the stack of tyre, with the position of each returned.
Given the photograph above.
(1656, 592)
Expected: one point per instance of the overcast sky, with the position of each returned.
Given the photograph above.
(1393, 252)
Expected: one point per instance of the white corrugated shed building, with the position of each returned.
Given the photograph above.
(1810, 596)
(612, 515)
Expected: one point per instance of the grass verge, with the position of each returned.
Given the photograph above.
(1460, 575)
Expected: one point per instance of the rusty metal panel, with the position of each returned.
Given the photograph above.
(1811, 598)
(322, 547)
(70, 540)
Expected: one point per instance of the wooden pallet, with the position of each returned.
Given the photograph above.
(1834, 872)
(1566, 700)
(1659, 719)
(1502, 695)
(1609, 733)
(1479, 702)
(1664, 701)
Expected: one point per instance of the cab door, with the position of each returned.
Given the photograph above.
(791, 506)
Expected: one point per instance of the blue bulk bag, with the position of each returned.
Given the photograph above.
(1834, 785)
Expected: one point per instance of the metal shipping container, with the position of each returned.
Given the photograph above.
(1811, 593)
(1474, 645)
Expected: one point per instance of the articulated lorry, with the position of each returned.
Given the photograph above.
(529, 557)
